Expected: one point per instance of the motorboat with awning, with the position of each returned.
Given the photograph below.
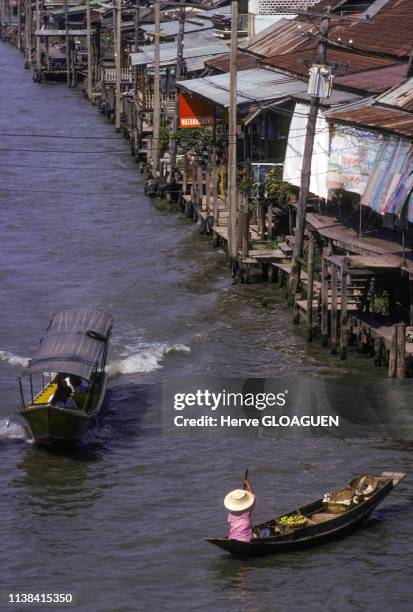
(63, 387)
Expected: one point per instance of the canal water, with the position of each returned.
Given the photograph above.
(120, 523)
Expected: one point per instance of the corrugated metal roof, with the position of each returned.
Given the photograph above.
(389, 31)
(279, 38)
(252, 85)
(297, 62)
(255, 85)
(170, 28)
(371, 115)
(401, 96)
(193, 64)
(194, 47)
(374, 81)
(244, 62)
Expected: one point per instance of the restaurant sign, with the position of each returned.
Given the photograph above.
(195, 112)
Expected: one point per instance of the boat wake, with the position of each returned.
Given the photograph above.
(14, 360)
(12, 431)
(143, 359)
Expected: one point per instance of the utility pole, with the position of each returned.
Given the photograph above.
(135, 68)
(178, 77)
(117, 26)
(232, 137)
(156, 93)
(89, 51)
(67, 42)
(38, 50)
(306, 168)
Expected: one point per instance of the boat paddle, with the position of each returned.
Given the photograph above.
(245, 478)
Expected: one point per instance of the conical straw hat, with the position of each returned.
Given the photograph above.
(239, 500)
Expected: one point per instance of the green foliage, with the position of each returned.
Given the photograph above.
(199, 140)
(381, 303)
(246, 183)
(278, 190)
(164, 135)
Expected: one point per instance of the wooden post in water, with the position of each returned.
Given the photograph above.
(199, 186)
(214, 176)
(324, 298)
(117, 27)
(411, 295)
(156, 92)
(310, 287)
(67, 41)
(208, 189)
(334, 300)
(89, 51)
(391, 372)
(232, 136)
(19, 24)
(193, 183)
(28, 32)
(243, 233)
(401, 351)
(38, 56)
(185, 174)
(344, 315)
(269, 222)
(178, 77)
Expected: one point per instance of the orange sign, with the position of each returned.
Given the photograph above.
(195, 112)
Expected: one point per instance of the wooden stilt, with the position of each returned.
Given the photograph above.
(344, 314)
(262, 221)
(193, 184)
(334, 299)
(411, 297)
(185, 174)
(208, 189)
(269, 222)
(199, 186)
(310, 287)
(244, 232)
(401, 351)
(324, 299)
(391, 372)
(214, 178)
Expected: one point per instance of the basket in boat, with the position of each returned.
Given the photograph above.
(339, 501)
(364, 486)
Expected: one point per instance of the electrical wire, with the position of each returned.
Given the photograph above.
(15, 134)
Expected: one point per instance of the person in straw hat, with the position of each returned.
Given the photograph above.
(240, 503)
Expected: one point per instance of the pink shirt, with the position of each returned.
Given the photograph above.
(240, 527)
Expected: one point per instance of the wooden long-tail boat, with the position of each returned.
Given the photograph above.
(74, 347)
(315, 523)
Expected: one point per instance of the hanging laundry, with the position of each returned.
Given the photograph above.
(352, 155)
(295, 151)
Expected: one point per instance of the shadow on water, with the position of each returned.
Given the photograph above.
(74, 478)
(123, 417)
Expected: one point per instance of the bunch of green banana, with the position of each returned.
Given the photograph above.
(294, 520)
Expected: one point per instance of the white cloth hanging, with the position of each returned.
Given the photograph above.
(295, 151)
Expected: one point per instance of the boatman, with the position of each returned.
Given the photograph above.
(240, 504)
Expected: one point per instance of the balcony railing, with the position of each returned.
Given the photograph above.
(109, 75)
(147, 98)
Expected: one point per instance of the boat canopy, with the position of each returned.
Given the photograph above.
(73, 343)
